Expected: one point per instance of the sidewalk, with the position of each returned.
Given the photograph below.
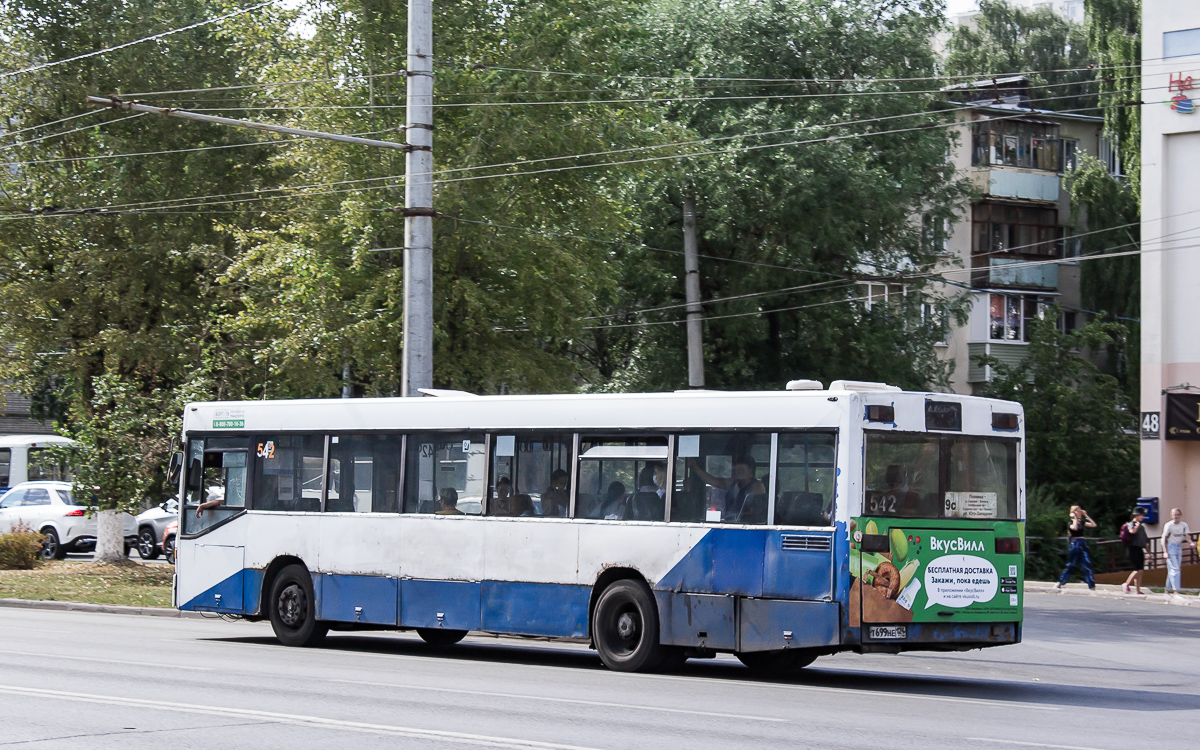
(1109, 591)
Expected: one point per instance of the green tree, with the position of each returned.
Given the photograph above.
(1010, 39)
(1107, 209)
(1114, 36)
(105, 311)
(810, 219)
(1081, 439)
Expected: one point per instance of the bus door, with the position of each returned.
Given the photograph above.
(215, 493)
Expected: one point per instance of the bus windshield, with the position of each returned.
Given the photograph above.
(940, 476)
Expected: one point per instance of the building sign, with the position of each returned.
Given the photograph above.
(1183, 416)
(1182, 101)
(1151, 425)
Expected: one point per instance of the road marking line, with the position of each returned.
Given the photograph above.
(69, 657)
(563, 700)
(295, 719)
(1031, 744)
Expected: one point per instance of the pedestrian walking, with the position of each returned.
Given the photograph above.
(1077, 550)
(1174, 536)
(1135, 539)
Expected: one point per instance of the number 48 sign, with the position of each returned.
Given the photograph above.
(1151, 425)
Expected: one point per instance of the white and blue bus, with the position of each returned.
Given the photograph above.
(777, 526)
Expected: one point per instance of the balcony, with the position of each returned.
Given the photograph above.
(1000, 272)
(1030, 186)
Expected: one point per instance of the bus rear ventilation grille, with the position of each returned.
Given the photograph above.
(814, 542)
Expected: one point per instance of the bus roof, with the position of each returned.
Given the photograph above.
(693, 409)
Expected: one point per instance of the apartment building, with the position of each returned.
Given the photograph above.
(1016, 158)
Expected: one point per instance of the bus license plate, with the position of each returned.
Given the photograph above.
(888, 632)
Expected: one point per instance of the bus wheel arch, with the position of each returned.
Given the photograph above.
(623, 621)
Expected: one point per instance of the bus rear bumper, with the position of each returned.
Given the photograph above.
(937, 636)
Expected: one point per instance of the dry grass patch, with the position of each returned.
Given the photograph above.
(129, 583)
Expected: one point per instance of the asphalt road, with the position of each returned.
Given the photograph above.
(1092, 673)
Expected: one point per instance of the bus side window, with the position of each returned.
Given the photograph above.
(5, 466)
(289, 472)
(444, 473)
(622, 478)
(530, 475)
(721, 477)
(364, 473)
(804, 479)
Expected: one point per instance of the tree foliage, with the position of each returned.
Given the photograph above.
(1114, 34)
(1081, 439)
(1010, 39)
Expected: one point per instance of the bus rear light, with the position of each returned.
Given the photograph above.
(881, 413)
(1004, 421)
(1008, 545)
(78, 512)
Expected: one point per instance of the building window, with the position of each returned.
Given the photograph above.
(1011, 316)
(1070, 154)
(1110, 155)
(1014, 143)
(879, 293)
(1026, 230)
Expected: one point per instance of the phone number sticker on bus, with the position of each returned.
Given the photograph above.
(228, 424)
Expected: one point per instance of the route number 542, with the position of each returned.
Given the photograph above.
(266, 450)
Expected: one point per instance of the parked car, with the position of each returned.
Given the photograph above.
(150, 527)
(168, 541)
(50, 508)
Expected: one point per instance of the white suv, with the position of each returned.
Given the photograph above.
(49, 508)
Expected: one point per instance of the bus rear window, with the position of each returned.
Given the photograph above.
(932, 476)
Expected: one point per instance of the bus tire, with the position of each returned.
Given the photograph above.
(625, 628)
(441, 638)
(293, 609)
(777, 662)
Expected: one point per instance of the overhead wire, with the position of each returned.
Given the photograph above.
(152, 37)
(68, 132)
(90, 113)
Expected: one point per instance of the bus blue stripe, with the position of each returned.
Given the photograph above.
(536, 608)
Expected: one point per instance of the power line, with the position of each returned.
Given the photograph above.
(278, 142)
(245, 86)
(48, 124)
(152, 37)
(68, 132)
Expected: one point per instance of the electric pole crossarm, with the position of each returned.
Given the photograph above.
(116, 103)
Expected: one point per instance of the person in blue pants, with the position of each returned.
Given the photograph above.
(1077, 549)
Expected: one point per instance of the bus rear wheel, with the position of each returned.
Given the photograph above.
(293, 609)
(777, 662)
(441, 638)
(625, 628)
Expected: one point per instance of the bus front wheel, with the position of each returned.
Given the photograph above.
(625, 628)
(293, 609)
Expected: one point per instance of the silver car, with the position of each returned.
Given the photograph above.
(150, 527)
(50, 508)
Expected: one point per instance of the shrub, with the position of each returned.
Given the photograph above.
(19, 548)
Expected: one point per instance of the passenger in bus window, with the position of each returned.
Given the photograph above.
(555, 500)
(522, 505)
(448, 497)
(615, 503)
(502, 505)
(738, 488)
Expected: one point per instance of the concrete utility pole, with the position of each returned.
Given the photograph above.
(418, 203)
(691, 284)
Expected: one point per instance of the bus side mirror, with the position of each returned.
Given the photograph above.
(173, 468)
(195, 479)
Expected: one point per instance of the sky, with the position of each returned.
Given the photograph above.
(954, 7)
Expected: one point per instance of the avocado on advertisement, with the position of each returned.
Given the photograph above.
(908, 570)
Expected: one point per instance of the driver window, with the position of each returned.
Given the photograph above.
(216, 482)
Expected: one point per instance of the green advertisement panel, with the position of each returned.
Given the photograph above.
(936, 570)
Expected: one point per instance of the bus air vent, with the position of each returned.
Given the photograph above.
(813, 542)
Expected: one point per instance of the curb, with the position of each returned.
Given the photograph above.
(111, 609)
(1104, 591)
